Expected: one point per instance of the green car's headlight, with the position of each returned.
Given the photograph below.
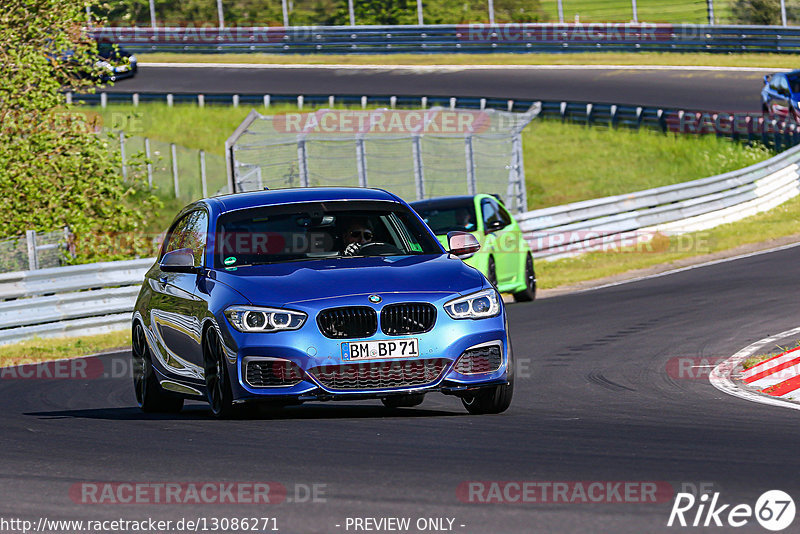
(484, 303)
(257, 319)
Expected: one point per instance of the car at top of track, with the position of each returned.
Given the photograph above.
(780, 95)
(316, 294)
(505, 257)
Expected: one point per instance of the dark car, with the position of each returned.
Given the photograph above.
(316, 294)
(781, 94)
(116, 62)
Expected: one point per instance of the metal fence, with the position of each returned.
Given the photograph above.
(34, 250)
(475, 38)
(773, 132)
(413, 153)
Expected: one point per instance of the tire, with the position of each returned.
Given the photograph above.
(529, 293)
(218, 386)
(403, 401)
(491, 272)
(494, 399)
(150, 397)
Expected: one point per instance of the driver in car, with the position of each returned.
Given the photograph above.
(358, 232)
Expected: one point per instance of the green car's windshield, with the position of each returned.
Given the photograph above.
(449, 217)
(320, 230)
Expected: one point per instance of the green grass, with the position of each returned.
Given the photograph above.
(563, 162)
(778, 222)
(674, 11)
(788, 61)
(37, 350)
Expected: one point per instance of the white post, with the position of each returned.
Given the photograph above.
(361, 161)
(220, 15)
(560, 11)
(783, 12)
(88, 17)
(135, 99)
(419, 12)
(710, 12)
(33, 257)
(149, 162)
(419, 175)
(518, 168)
(491, 11)
(103, 100)
(635, 11)
(203, 184)
(352, 12)
(470, 158)
(267, 101)
(201, 101)
(122, 154)
(175, 183)
(302, 161)
(285, 10)
(153, 14)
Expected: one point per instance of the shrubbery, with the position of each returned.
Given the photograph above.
(55, 170)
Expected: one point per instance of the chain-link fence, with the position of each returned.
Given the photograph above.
(412, 153)
(34, 251)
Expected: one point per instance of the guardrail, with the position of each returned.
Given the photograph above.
(91, 299)
(473, 38)
(627, 220)
(772, 132)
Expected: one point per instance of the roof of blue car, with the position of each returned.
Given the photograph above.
(300, 194)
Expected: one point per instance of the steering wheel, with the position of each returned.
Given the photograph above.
(375, 245)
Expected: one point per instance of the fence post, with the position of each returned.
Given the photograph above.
(135, 99)
(470, 161)
(201, 101)
(710, 12)
(220, 15)
(351, 12)
(783, 12)
(419, 175)
(635, 11)
(518, 170)
(175, 183)
(285, 10)
(152, 14)
(267, 101)
(203, 184)
(149, 162)
(491, 12)
(103, 100)
(122, 154)
(361, 161)
(33, 255)
(560, 12)
(302, 161)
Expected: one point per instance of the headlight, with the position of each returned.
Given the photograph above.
(255, 319)
(131, 59)
(478, 305)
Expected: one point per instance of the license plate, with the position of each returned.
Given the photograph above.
(375, 350)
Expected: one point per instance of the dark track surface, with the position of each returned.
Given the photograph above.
(598, 405)
(707, 90)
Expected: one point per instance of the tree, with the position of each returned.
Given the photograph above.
(762, 12)
(55, 170)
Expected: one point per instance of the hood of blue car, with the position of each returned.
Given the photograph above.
(284, 283)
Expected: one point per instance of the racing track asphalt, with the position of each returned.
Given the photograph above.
(593, 402)
(729, 91)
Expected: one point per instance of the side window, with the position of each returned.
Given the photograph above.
(775, 82)
(784, 86)
(504, 215)
(189, 232)
(489, 213)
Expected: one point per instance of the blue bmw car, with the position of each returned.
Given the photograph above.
(316, 294)
(780, 95)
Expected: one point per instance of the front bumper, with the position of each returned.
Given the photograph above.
(323, 371)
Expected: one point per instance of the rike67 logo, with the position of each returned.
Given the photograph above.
(774, 510)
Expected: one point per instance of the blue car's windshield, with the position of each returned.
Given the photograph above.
(320, 230)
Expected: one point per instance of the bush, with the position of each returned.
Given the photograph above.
(55, 170)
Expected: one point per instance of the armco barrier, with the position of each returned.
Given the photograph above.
(473, 38)
(769, 131)
(596, 224)
(99, 297)
(90, 299)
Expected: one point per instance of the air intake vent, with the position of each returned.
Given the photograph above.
(380, 375)
(479, 360)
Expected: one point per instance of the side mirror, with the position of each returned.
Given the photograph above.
(462, 244)
(766, 79)
(178, 261)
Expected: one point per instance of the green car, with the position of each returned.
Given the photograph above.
(504, 258)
